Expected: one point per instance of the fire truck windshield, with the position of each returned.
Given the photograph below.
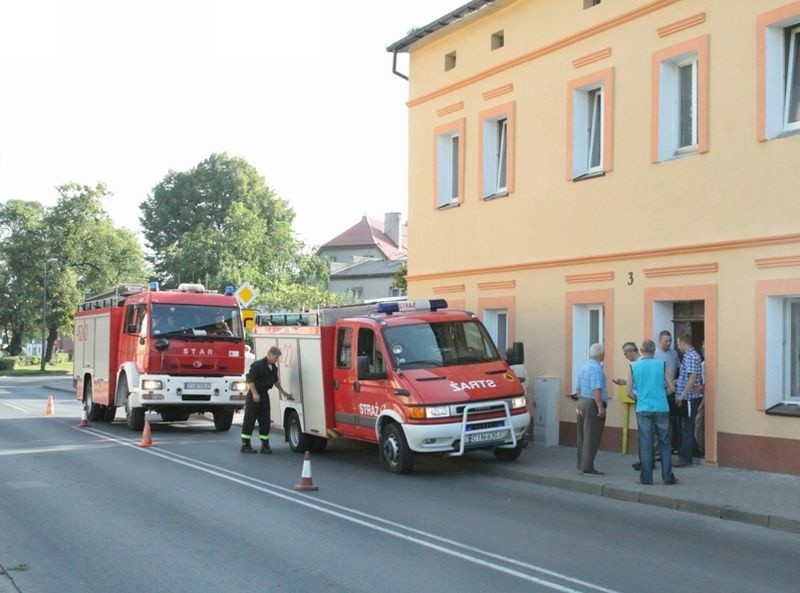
(195, 321)
(448, 343)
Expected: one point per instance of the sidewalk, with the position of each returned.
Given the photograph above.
(757, 498)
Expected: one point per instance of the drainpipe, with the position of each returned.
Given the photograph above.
(394, 66)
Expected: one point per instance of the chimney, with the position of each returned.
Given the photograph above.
(391, 226)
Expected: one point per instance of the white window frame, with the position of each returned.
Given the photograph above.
(777, 77)
(448, 152)
(782, 350)
(670, 113)
(496, 322)
(495, 156)
(584, 317)
(792, 73)
(588, 125)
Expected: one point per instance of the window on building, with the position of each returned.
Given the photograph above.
(495, 157)
(778, 39)
(449, 61)
(782, 349)
(498, 40)
(677, 132)
(356, 292)
(587, 329)
(680, 100)
(589, 121)
(791, 112)
(496, 322)
(496, 140)
(448, 153)
(590, 3)
(397, 292)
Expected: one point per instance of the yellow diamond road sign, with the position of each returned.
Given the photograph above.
(246, 294)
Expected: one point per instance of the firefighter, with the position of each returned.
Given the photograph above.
(261, 377)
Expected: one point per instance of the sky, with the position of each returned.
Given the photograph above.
(123, 92)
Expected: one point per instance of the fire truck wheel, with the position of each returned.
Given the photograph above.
(110, 413)
(135, 416)
(298, 440)
(394, 450)
(508, 454)
(223, 419)
(93, 411)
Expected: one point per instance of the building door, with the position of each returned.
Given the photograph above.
(587, 329)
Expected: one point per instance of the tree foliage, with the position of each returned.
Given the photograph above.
(220, 224)
(90, 254)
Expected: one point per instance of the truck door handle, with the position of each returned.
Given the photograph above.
(335, 384)
(356, 386)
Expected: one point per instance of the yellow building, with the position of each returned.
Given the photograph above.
(602, 170)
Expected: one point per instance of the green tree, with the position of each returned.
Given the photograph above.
(91, 256)
(21, 264)
(220, 224)
(399, 278)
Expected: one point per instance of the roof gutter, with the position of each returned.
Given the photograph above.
(419, 33)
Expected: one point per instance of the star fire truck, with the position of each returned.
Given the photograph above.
(412, 377)
(174, 352)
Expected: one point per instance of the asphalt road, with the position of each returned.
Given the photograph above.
(89, 510)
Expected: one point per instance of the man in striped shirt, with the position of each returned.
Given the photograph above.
(689, 393)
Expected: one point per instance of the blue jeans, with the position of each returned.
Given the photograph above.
(650, 422)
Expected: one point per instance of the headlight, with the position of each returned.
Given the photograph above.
(239, 386)
(518, 402)
(152, 384)
(437, 412)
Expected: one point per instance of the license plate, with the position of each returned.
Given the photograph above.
(191, 385)
(487, 437)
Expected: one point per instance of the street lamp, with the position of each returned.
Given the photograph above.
(44, 311)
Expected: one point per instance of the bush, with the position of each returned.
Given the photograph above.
(7, 363)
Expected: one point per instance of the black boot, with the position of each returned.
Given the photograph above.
(265, 448)
(246, 448)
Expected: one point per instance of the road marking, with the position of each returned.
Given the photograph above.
(373, 522)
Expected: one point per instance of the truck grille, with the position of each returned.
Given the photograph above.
(196, 398)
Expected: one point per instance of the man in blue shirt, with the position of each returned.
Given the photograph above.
(592, 402)
(648, 382)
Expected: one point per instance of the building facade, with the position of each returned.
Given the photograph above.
(600, 171)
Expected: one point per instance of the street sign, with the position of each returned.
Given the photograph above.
(246, 294)
(249, 318)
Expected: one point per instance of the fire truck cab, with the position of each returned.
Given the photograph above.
(174, 352)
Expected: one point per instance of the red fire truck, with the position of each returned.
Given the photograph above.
(410, 376)
(175, 352)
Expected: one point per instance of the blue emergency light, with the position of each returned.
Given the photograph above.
(154, 286)
(229, 292)
(421, 305)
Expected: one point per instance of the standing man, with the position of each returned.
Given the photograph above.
(689, 393)
(592, 402)
(648, 382)
(261, 377)
(667, 354)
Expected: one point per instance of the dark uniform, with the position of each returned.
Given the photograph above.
(263, 376)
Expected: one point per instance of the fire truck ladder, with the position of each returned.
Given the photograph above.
(484, 432)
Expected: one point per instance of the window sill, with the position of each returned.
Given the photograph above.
(448, 206)
(495, 196)
(681, 153)
(586, 176)
(784, 409)
(785, 134)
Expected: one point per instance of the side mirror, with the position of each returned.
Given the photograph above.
(364, 374)
(162, 344)
(517, 354)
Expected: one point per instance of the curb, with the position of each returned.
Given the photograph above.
(614, 492)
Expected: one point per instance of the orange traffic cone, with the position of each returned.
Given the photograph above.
(84, 420)
(50, 410)
(147, 439)
(306, 484)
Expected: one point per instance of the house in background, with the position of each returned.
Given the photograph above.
(364, 258)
